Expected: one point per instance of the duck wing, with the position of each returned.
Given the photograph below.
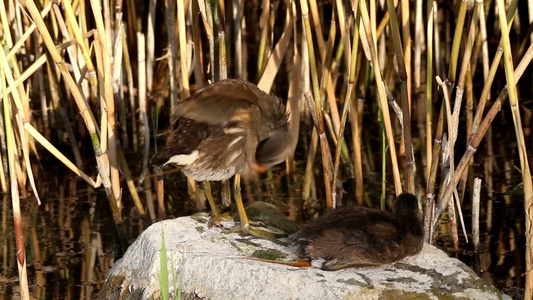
(219, 103)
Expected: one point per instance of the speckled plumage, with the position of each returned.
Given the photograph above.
(360, 236)
(233, 125)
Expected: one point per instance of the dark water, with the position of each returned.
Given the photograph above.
(71, 241)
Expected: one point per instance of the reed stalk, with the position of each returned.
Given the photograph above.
(273, 64)
(407, 44)
(100, 157)
(382, 96)
(429, 86)
(108, 127)
(143, 112)
(265, 6)
(150, 45)
(403, 72)
(348, 104)
(459, 25)
(492, 72)
(71, 18)
(475, 213)
(207, 16)
(5, 26)
(326, 154)
(21, 120)
(129, 181)
(237, 11)
(91, 48)
(343, 28)
(526, 171)
(185, 90)
(15, 200)
(170, 17)
(199, 75)
(477, 136)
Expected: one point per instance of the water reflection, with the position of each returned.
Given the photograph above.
(72, 243)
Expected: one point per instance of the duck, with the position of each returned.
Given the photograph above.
(225, 129)
(362, 237)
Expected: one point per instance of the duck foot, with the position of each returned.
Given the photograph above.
(246, 228)
(216, 219)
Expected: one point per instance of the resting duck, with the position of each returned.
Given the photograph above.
(360, 236)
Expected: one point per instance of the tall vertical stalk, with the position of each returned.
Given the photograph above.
(406, 105)
(326, 155)
(382, 95)
(517, 122)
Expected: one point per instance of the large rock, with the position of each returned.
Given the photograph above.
(210, 264)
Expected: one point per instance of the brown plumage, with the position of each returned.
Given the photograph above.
(227, 128)
(359, 236)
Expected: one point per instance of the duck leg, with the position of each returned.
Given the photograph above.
(245, 223)
(245, 227)
(217, 216)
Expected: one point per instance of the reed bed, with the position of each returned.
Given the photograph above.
(421, 84)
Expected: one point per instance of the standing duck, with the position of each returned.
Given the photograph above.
(360, 236)
(227, 128)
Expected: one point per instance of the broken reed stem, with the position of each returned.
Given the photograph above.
(432, 178)
(452, 219)
(475, 212)
(450, 155)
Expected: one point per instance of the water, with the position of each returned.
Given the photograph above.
(71, 240)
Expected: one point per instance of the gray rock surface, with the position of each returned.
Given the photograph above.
(206, 263)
